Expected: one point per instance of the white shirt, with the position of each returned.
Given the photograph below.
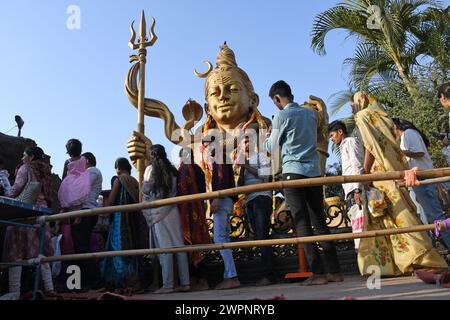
(4, 182)
(264, 171)
(412, 141)
(96, 188)
(352, 159)
(446, 150)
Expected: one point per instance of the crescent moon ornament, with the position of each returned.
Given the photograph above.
(204, 74)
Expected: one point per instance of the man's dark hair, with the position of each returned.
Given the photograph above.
(73, 147)
(336, 126)
(444, 90)
(90, 158)
(282, 89)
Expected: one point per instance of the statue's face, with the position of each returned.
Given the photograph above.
(228, 99)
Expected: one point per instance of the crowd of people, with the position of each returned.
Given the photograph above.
(380, 144)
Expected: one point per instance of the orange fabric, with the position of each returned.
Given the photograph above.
(192, 215)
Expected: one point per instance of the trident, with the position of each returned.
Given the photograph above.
(142, 44)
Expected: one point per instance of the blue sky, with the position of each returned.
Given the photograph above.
(70, 83)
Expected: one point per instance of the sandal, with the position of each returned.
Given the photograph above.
(185, 288)
(315, 280)
(164, 290)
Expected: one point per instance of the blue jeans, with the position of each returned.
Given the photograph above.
(222, 235)
(427, 196)
(258, 214)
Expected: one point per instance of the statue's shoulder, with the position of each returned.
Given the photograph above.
(266, 121)
(363, 113)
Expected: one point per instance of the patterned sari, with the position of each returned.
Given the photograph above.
(192, 214)
(127, 230)
(395, 254)
(23, 243)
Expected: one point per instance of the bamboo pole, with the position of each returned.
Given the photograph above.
(233, 245)
(428, 182)
(309, 182)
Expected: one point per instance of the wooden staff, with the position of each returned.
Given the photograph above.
(234, 245)
(309, 182)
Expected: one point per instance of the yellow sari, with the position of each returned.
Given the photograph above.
(395, 254)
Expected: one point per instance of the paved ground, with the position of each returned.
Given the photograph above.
(403, 288)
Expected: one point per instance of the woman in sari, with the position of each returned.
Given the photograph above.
(160, 182)
(127, 230)
(23, 243)
(394, 254)
(191, 180)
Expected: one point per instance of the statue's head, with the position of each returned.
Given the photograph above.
(229, 94)
(360, 101)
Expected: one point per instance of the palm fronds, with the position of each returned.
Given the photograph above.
(389, 52)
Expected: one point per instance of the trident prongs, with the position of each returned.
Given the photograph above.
(142, 42)
(142, 29)
(154, 37)
(133, 38)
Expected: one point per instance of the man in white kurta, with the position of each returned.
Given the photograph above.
(352, 160)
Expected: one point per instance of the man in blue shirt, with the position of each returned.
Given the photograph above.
(294, 130)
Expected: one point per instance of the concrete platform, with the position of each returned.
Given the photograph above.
(354, 287)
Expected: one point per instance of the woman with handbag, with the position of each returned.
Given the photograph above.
(33, 184)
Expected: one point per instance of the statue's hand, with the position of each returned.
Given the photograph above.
(322, 122)
(317, 103)
(138, 148)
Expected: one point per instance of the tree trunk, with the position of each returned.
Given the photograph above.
(410, 86)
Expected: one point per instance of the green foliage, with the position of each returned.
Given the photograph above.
(425, 112)
(334, 190)
(401, 63)
(387, 55)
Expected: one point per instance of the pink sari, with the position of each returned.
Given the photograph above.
(76, 186)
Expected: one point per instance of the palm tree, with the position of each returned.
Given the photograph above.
(434, 36)
(389, 39)
(340, 99)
